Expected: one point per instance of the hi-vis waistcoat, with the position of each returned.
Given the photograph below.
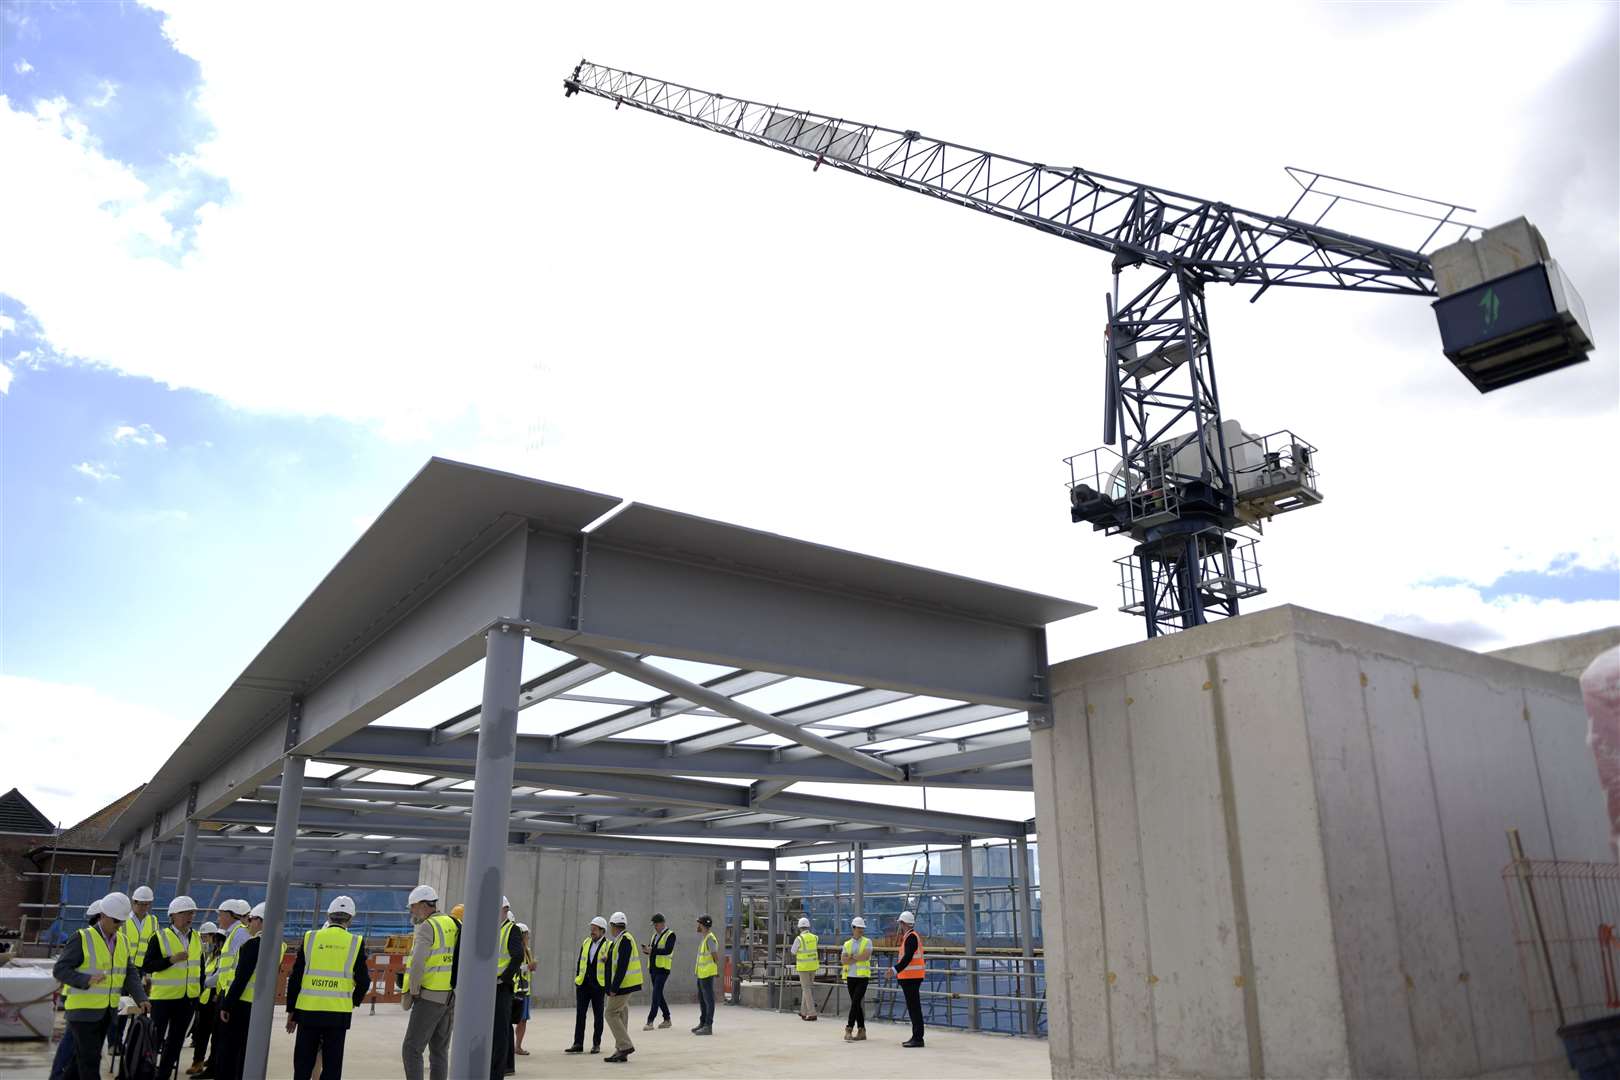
(328, 983)
(209, 968)
(138, 934)
(804, 951)
(632, 973)
(913, 970)
(106, 968)
(183, 977)
(708, 950)
(504, 959)
(234, 938)
(247, 991)
(585, 963)
(859, 965)
(441, 957)
(667, 960)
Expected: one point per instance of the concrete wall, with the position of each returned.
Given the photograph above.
(1565, 655)
(556, 893)
(1282, 846)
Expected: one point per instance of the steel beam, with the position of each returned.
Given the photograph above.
(630, 845)
(736, 933)
(188, 852)
(470, 1042)
(256, 1062)
(737, 682)
(851, 701)
(857, 864)
(1026, 934)
(554, 683)
(970, 933)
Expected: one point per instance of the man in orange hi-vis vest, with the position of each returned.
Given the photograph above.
(908, 969)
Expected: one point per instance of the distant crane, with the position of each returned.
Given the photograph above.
(1184, 482)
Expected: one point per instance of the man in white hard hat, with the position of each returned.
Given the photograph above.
(96, 967)
(174, 962)
(856, 959)
(229, 1042)
(202, 1028)
(909, 971)
(805, 955)
(622, 968)
(327, 983)
(589, 978)
(522, 993)
(140, 928)
(430, 983)
(63, 1061)
(508, 961)
(237, 1004)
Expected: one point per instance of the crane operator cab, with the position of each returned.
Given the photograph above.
(1506, 311)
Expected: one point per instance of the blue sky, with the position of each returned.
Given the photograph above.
(256, 272)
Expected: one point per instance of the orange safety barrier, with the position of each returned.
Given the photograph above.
(385, 969)
(725, 979)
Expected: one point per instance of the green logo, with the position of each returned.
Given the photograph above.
(1491, 306)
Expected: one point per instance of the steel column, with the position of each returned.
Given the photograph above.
(736, 932)
(256, 1063)
(152, 857)
(770, 929)
(470, 1047)
(858, 872)
(1026, 934)
(970, 933)
(188, 851)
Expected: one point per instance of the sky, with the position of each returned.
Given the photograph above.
(259, 262)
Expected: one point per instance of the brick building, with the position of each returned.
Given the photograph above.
(31, 849)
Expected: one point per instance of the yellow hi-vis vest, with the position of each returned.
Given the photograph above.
(139, 933)
(328, 983)
(247, 991)
(183, 977)
(441, 957)
(106, 968)
(234, 937)
(632, 973)
(708, 950)
(209, 968)
(504, 958)
(804, 952)
(585, 962)
(665, 961)
(859, 951)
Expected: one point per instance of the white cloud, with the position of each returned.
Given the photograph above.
(66, 764)
(109, 90)
(139, 435)
(95, 470)
(7, 324)
(6, 375)
(22, 67)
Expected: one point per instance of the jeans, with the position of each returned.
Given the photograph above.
(322, 1042)
(500, 1056)
(706, 1001)
(63, 1062)
(912, 988)
(87, 1039)
(857, 997)
(618, 1021)
(169, 1022)
(429, 1029)
(588, 997)
(660, 976)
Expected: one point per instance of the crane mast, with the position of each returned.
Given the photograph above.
(1183, 482)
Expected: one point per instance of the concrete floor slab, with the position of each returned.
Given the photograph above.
(747, 1043)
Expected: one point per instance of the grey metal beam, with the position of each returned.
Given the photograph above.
(1026, 934)
(905, 817)
(827, 708)
(770, 929)
(629, 845)
(458, 797)
(312, 842)
(152, 856)
(970, 933)
(644, 672)
(922, 724)
(736, 933)
(256, 1062)
(976, 752)
(672, 704)
(550, 684)
(470, 1042)
(857, 865)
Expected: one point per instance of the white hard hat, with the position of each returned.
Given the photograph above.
(599, 921)
(182, 904)
(522, 928)
(341, 905)
(424, 892)
(505, 903)
(239, 908)
(208, 928)
(804, 924)
(908, 917)
(94, 910)
(258, 911)
(858, 922)
(142, 895)
(617, 918)
(115, 905)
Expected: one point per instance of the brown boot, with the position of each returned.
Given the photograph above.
(860, 1036)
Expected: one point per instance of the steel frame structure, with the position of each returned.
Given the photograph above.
(1160, 391)
(936, 680)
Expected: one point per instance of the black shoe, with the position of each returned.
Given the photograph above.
(912, 1044)
(575, 1049)
(614, 1058)
(704, 1030)
(596, 1049)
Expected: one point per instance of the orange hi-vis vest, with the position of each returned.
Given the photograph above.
(913, 970)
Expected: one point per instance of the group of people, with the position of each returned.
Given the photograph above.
(855, 965)
(609, 969)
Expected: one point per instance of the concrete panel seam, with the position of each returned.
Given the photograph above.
(1102, 908)
(1234, 857)
(1147, 924)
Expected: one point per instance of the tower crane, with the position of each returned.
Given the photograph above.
(1184, 484)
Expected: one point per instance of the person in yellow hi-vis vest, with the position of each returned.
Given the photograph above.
(430, 978)
(660, 954)
(589, 977)
(202, 1028)
(856, 960)
(95, 967)
(806, 953)
(623, 979)
(706, 967)
(173, 962)
(232, 1014)
(138, 930)
(327, 982)
(230, 1039)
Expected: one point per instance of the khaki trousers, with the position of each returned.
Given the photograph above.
(807, 993)
(617, 1014)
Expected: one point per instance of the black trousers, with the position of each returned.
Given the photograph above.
(230, 1042)
(912, 988)
(169, 1022)
(87, 1039)
(587, 996)
(857, 1009)
(660, 976)
(500, 1057)
(319, 1041)
(202, 1027)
